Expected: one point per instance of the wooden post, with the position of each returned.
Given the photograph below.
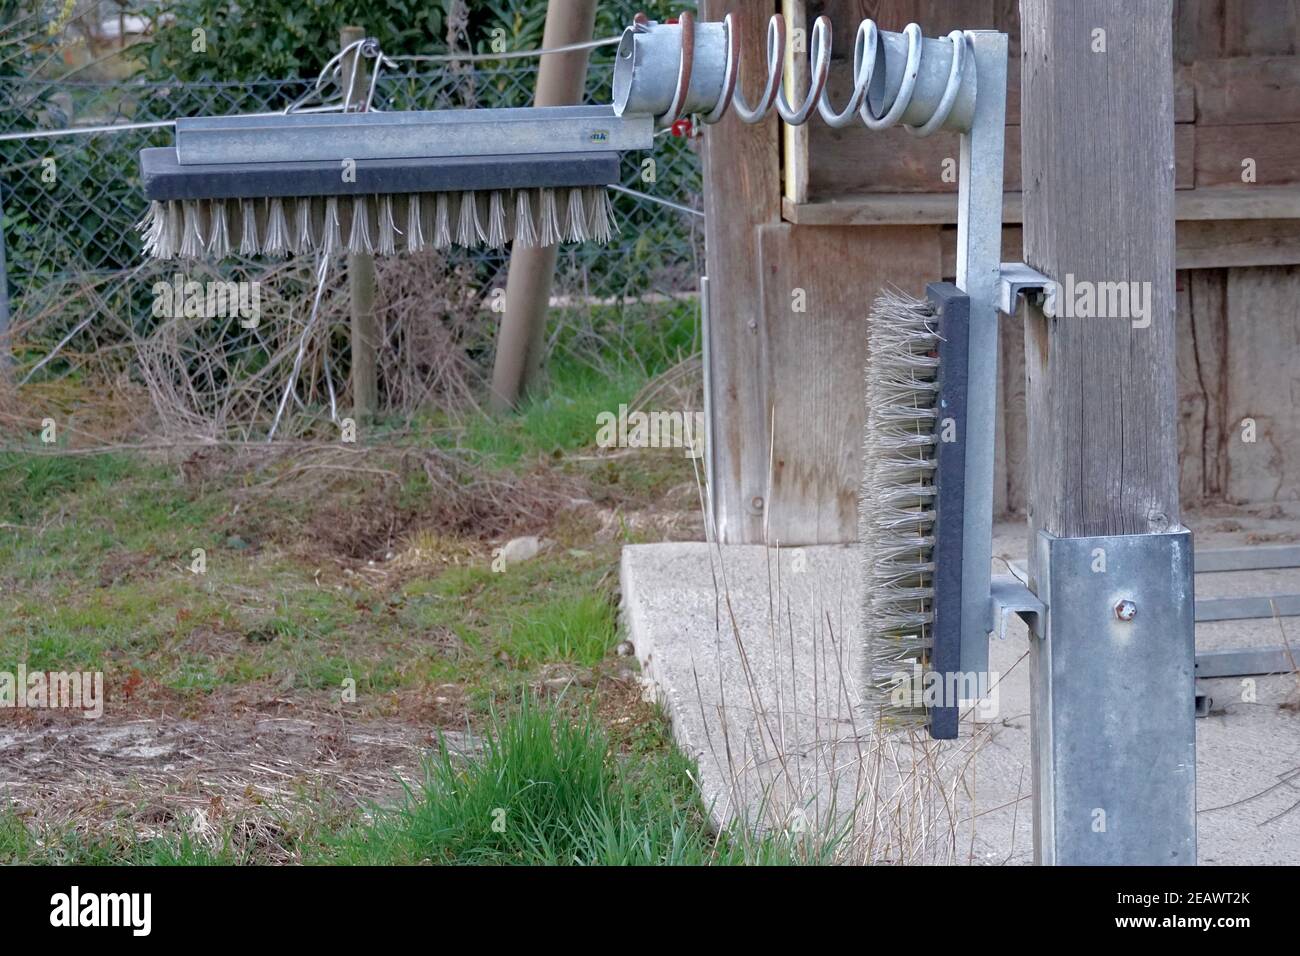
(362, 280)
(560, 81)
(742, 191)
(1098, 174)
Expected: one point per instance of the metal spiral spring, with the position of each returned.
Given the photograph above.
(867, 57)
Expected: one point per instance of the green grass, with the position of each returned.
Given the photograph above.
(240, 841)
(599, 361)
(29, 481)
(65, 846)
(89, 507)
(577, 628)
(94, 574)
(545, 790)
(561, 421)
(95, 570)
(556, 607)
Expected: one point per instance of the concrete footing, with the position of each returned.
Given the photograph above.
(753, 653)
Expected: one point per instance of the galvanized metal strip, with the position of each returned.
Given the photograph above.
(979, 270)
(1244, 661)
(1248, 608)
(1114, 701)
(1254, 558)
(1222, 560)
(326, 137)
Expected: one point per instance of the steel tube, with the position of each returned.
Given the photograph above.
(647, 64)
(333, 137)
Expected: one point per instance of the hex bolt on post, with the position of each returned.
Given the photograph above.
(1126, 610)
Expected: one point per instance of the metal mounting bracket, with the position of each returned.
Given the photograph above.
(1009, 595)
(1117, 652)
(1018, 279)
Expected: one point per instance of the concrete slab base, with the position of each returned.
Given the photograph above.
(753, 653)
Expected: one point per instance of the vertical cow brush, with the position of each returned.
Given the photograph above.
(926, 502)
(911, 505)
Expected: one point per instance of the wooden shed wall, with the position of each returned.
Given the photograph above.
(858, 210)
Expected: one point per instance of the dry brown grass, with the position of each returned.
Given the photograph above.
(242, 777)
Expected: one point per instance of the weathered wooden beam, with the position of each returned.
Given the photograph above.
(1245, 90)
(1099, 205)
(1217, 243)
(742, 190)
(1279, 203)
(1101, 406)
(1264, 152)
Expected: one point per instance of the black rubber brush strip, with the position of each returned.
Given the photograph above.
(164, 178)
(953, 307)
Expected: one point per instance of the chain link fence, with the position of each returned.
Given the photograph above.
(80, 287)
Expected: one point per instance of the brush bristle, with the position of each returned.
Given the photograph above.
(896, 504)
(215, 228)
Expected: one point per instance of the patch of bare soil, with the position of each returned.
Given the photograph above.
(161, 775)
(623, 706)
(120, 566)
(360, 521)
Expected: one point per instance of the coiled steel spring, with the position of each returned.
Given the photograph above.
(868, 58)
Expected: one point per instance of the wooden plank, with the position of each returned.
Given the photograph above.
(888, 209)
(1209, 244)
(1006, 18)
(1191, 404)
(1258, 202)
(1259, 26)
(1101, 398)
(1015, 467)
(855, 159)
(1263, 335)
(1237, 202)
(1209, 29)
(1184, 96)
(1185, 136)
(1198, 30)
(936, 17)
(1243, 91)
(815, 357)
(742, 190)
(1221, 150)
